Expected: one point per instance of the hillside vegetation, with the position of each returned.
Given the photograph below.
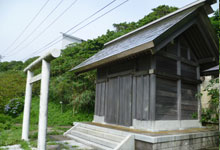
(77, 92)
(73, 90)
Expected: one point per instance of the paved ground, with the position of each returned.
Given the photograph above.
(57, 142)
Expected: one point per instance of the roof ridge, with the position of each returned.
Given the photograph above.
(157, 20)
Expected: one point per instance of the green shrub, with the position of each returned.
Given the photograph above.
(14, 107)
(211, 114)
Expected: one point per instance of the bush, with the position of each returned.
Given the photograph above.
(5, 122)
(14, 107)
(211, 114)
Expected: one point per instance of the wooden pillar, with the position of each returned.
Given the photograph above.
(198, 94)
(152, 89)
(27, 107)
(179, 82)
(42, 127)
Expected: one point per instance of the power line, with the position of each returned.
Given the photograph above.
(74, 27)
(23, 31)
(35, 29)
(55, 42)
(36, 37)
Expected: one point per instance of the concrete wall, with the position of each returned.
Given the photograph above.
(185, 144)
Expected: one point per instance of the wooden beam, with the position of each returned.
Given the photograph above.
(35, 78)
(176, 77)
(207, 60)
(198, 93)
(179, 29)
(209, 29)
(179, 82)
(174, 57)
(131, 71)
(153, 90)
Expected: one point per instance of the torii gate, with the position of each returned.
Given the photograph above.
(45, 78)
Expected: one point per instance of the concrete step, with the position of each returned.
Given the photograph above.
(94, 139)
(86, 142)
(100, 134)
(103, 129)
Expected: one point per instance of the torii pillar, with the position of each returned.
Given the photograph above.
(45, 78)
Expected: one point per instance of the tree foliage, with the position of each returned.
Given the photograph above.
(65, 86)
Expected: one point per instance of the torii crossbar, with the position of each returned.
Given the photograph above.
(45, 78)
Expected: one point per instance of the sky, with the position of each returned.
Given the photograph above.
(16, 14)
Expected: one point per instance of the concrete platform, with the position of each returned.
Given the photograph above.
(189, 139)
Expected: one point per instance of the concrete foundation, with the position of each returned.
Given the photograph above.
(188, 139)
(191, 143)
(158, 125)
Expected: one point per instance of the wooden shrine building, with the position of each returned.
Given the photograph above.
(150, 78)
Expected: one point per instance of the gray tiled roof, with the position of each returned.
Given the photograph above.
(143, 35)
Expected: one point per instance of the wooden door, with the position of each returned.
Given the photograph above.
(125, 106)
(119, 101)
(112, 101)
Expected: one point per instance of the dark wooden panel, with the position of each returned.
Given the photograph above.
(96, 101)
(134, 97)
(188, 71)
(146, 97)
(141, 97)
(189, 103)
(101, 74)
(140, 93)
(166, 99)
(102, 106)
(100, 99)
(166, 65)
(172, 48)
(143, 63)
(122, 66)
(125, 101)
(112, 101)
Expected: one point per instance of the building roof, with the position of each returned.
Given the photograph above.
(211, 71)
(72, 37)
(141, 39)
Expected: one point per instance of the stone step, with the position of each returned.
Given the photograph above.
(100, 134)
(86, 142)
(97, 140)
(103, 129)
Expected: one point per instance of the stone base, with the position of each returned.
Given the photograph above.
(157, 125)
(188, 139)
(187, 142)
(99, 119)
(165, 125)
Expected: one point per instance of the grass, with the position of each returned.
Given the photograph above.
(56, 120)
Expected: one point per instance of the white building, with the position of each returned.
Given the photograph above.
(69, 39)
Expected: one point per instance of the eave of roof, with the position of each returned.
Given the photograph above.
(119, 43)
(198, 2)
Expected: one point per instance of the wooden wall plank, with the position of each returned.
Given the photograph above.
(112, 101)
(139, 97)
(102, 99)
(134, 98)
(125, 101)
(189, 104)
(166, 99)
(146, 98)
